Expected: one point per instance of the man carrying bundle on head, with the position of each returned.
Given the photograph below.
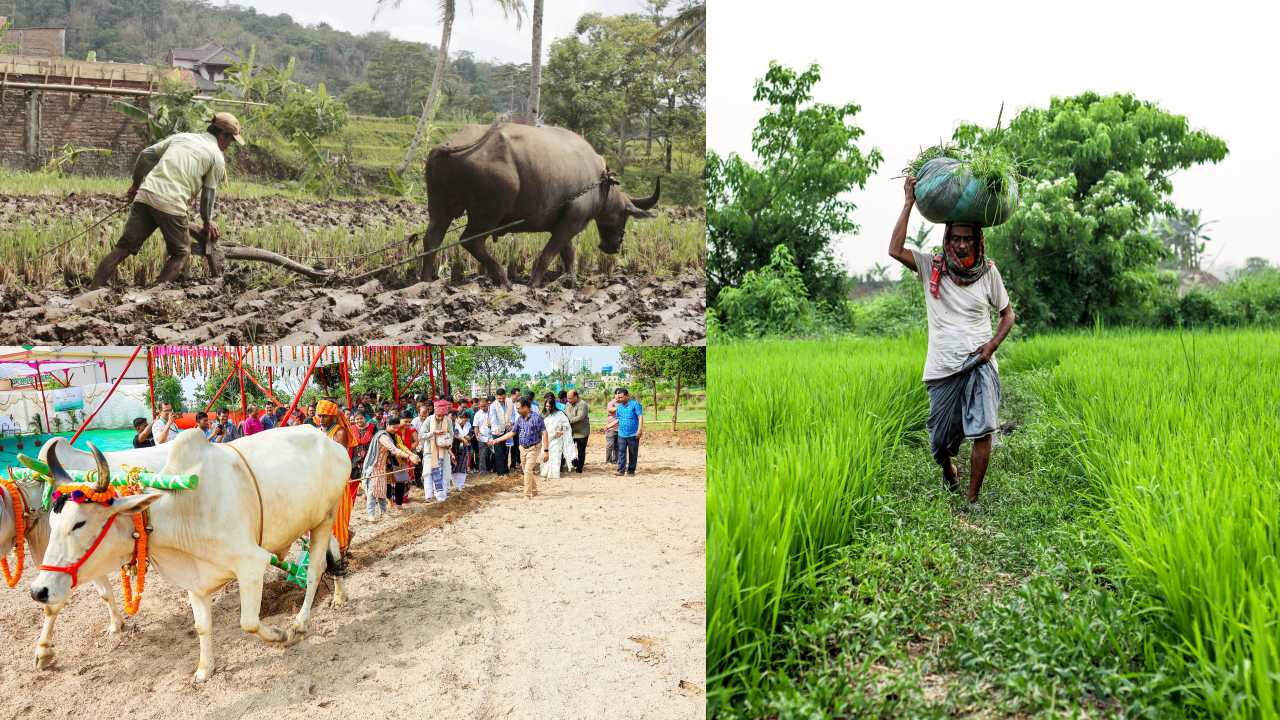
(962, 287)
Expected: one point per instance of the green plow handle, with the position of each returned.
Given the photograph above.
(296, 571)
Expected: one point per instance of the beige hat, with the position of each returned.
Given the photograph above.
(227, 122)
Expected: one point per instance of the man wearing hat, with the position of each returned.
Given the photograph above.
(166, 177)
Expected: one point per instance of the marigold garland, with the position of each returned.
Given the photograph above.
(19, 534)
(132, 595)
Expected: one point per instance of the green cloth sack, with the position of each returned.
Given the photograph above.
(947, 191)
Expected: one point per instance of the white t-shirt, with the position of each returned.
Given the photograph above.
(188, 162)
(959, 319)
(157, 427)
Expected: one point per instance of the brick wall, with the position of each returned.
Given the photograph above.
(81, 120)
(41, 42)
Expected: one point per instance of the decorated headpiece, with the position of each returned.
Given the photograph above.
(326, 407)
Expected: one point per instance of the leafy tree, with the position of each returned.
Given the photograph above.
(168, 388)
(771, 300)
(1097, 169)
(230, 397)
(489, 364)
(795, 196)
(448, 11)
(400, 74)
(1184, 234)
(644, 366)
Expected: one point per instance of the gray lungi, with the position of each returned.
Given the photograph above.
(962, 406)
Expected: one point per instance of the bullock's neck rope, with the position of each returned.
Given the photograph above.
(19, 533)
(262, 519)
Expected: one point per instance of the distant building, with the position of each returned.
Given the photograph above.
(208, 63)
(49, 42)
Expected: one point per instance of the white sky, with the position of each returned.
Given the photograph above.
(919, 68)
(479, 27)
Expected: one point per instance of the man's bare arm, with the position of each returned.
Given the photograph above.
(897, 243)
(1002, 331)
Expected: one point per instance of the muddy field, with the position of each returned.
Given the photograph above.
(587, 602)
(610, 304)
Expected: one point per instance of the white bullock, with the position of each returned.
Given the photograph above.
(37, 527)
(256, 496)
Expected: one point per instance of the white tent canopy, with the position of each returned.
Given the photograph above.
(10, 369)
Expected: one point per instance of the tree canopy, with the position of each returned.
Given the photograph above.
(795, 194)
(1097, 169)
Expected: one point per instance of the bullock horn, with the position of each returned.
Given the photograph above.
(646, 203)
(58, 473)
(104, 471)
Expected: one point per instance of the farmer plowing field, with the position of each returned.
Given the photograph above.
(166, 176)
(961, 288)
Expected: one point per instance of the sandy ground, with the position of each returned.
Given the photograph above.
(587, 602)
(613, 308)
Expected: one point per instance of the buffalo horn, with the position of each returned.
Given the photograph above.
(648, 202)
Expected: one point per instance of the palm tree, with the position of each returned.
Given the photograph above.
(448, 10)
(535, 70)
(689, 29)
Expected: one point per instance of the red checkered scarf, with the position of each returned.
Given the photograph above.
(948, 263)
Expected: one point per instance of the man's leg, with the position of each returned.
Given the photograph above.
(530, 484)
(633, 451)
(978, 460)
(515, 454)
(137, 229)
(500, 459)
(176, 243)
(610, 448)
(581, 460)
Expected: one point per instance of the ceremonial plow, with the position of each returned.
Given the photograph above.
(199, 513)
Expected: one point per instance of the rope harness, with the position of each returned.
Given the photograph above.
(256, 489)
(137, 564)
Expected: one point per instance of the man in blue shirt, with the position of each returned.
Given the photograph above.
(630, 429)
(530, 434)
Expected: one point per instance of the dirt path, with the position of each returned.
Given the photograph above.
(586, 603)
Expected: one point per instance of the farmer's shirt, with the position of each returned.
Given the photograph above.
(529, 430)
(629, 414)
(959, 318)
(188, 161)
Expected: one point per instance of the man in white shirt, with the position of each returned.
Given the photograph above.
(962, 289)
(483, 427)
(167, 176)
(164, 428)
(499, 422)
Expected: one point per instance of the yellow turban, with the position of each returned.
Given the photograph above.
(326, 407)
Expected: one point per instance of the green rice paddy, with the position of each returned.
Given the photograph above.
(1123, 563)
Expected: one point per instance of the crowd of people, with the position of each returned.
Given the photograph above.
(437, 442)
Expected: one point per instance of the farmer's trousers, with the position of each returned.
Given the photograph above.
(628, 454)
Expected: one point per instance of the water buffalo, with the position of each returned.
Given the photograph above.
(547, 177)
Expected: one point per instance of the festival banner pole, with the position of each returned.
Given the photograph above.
(40, 385)
(305, 379)
(218, 394)
(395, 385)
(346, 373)
(114, 385)
(151, 381)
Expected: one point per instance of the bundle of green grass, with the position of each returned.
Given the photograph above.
(965, 185)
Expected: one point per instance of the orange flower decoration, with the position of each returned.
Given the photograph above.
(132, 595)
(19, 534)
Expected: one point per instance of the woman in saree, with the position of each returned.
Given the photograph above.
(561, 449)
(377, 467)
